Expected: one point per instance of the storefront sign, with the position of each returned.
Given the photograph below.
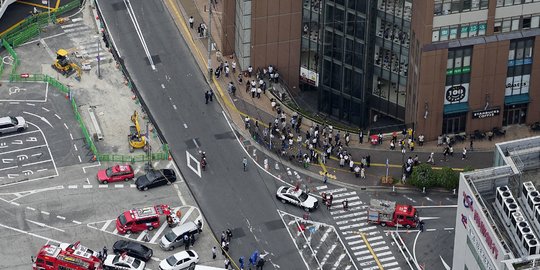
(483, 229)
(309, 76)
(486, 113)
(456, 93)
(457, 71)
(517, 85)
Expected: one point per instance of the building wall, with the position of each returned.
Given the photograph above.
(228, 27)
(276, 34)
(243, 33)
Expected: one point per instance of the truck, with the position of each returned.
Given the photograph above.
(389, 213)
(66, 256)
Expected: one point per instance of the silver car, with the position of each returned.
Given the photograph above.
(12, 124)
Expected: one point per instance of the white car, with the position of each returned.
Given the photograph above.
(297, 197)
(10, 124)
(181, 260)
(123, 262)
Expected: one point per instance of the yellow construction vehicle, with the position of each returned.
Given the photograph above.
(135, 138)
(64, 65)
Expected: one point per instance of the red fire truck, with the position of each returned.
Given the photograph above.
(388, 213)
(66, 256)
(138, 220)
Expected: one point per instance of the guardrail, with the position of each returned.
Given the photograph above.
(164, 155)
(13, 54)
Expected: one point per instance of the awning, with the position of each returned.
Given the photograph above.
(456, 108)
(516, 99)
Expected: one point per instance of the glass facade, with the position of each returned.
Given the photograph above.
(343, 48)
(391, 58)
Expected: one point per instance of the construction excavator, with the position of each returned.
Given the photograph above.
(65, 66)
(135, 138)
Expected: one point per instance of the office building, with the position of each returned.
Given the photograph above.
(498, 212)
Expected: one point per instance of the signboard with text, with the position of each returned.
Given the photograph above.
(456, 94)
(486, 113)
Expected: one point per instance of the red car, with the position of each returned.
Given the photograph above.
(116, 173)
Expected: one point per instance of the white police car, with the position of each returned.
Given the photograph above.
(297, 197)
(123, 262)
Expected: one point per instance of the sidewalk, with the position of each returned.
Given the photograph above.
(260, 110)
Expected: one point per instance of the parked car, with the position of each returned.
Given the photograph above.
(10, 124)
(297, 197)
(155, 178)
(115, 173)
(175, 237)
(123, 262)
(133, 249)
(181, 260)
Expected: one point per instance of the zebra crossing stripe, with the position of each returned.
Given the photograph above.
(338, 261)
(339, 195)
(75, 29)
(341, 211)
(364, 258)
(377, 243)
(390, 264)
(337, 190)
(385, 253)
(321, 187)
(348, 199)
(65, 26)
(386, 259)
(395, 268)
(375, 238)
(358, 253)
(106, 225)
(381, 248)
(362, 246)
(351, 220)
(328, 253)
(355, 214)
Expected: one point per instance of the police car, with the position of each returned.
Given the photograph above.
(123, 262)
(296, 196)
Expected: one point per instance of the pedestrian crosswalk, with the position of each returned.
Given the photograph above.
(359, 235)
(189, 213)
(87, 44)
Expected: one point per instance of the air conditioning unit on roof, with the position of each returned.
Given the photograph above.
(517, 217)
(510, 206)
(522, 229)
(502, 194)
(531, 246)
(527, 187)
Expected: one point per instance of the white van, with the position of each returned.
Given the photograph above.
(175, 237)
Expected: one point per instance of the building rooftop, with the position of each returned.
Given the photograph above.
(507, 194)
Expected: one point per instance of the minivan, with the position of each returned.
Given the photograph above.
(11, 124)
(175, 237)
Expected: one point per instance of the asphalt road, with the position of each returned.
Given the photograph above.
(174, 92)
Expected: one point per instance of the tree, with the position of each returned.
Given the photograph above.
(447, 178)
(423, 176)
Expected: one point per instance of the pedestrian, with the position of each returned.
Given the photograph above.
(471, 145)
(357, 171)
(431, 159)
(227, 70)
(191, 20)
(223, 245)
(351, 165)
(260, 263)
(253, 92)
(361, 136)
(464, 154)
(421, 223)
(214, 251)
(345, 205)
(363, 173)
(233, 65)
(241, 262)
(421, 140)
(411, 145)
(223, 236)
(325, 177)
(249, 71)
(192, 240)
(244, 162)
(199, 226)
(211, 95)
(259, 91)
(228, 232)
(451, 150)
(186, 242)
(227, 263)
(104, 252)
(246, 122)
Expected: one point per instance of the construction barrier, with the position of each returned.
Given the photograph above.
(13, 54)
(163, 155)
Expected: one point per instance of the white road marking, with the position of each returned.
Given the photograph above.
(321, 187)
(30, 208)
(57, 116)
(80, 160)
(41, 170)
(430, 230)
(34, 163)
(163, 86)
(40, 117)
(87, 186)
(72, 186)
(45, 213)
(179, 194)
(61, 217)
(30, 104)
(436, 206)
(66, 126)
(29, 233)
(186, 215)
(448, 229)
(195, 142)
(45, 109)
(95, 165)
(7, 168)
(158, 232)
(119, 186)
(197, 170)
(75, 146)
(23, 149)
(103, 186)
(16, 204)
(185, 125)
(174, 106)
(106, 224)
(76, 222)
(71, 136)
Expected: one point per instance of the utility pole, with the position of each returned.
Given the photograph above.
(210, 38)
(49, 11)
(98, 58)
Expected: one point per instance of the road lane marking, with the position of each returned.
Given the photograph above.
(44, 225)
(16, 204)
(87, 186)
(29, 233)
(185, 125)
(30, 208)
(45, 109)
(103, 186)
(106, 224)
(34, 163)
(40, 117)
(61, 217)
(66, 126)
(72, 186)
(45, 213)
(80, 160)
(23, 149)
(76, 222)
(57, 116)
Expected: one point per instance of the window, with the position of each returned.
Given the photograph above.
(459, 31)
(520, 56)
(445, 7)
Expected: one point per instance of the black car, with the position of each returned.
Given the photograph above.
(133, 249)
(155, 178)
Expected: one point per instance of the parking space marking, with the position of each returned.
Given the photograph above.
(40, 117)
(71, 136)
(14, 167)
(23, 149)
(66, 126)
(87, 186)
(34, 163)
(44, 225)
(45, 109)
(16, 204)
(80, 160)
(28, 233)
(41, 170)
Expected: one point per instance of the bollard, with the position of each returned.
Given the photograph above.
(424, 190)
(393, 188)
(454, 191)
(255, 154)
(266, 164)
(277, 166)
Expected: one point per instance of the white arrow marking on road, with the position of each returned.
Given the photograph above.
(28, 172)
(44, 225)
(7, 160)
(31, 139)
(13, 175)
(22, 157)
(17, 142)
(3, 145)
(40, 117)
